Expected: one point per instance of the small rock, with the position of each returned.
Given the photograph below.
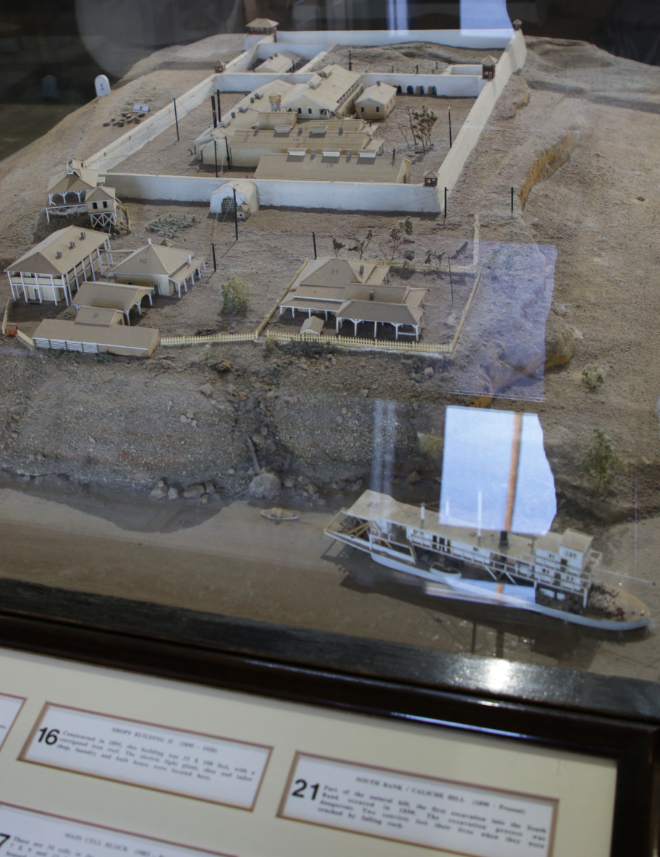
(173, 493)
(166, 242)
(158, 493)
(429, 372)
(184, 419)
(193, 492)
(289, 482)
(190, 415)
(265, 486)
(413, 478)
(409, 255)
(365, 393)
(209, 487)
(105, 124)
(207, 390)
(231, 471)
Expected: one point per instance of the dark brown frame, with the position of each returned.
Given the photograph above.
(596, 715)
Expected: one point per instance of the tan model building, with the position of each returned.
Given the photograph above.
(334, 166)
(246, 146)
(94, 334)
(101, 204)
(112, 296)
(69, 186)
(356, 291)
(376, 102)
(280, 63)
(331, 92)
(53, 269)
(164, 269)
(262, 26)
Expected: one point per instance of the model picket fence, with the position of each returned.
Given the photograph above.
(422, 266)
(210, 337)
(353, 342)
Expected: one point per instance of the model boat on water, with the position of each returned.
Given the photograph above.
(554, 574)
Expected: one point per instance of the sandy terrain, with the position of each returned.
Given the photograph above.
(577, 257)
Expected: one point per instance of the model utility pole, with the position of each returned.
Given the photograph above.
(314, 241)
(215, 151)
(449, 114)
(445, 202)
(213, 250)
(235, 214)
(176, 119)
(217, 95)
(215, 119)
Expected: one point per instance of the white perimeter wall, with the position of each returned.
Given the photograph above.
(342, 196)
(347, 196)
(478, 39)
(512, 59)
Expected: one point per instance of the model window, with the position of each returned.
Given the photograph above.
(105, 204)
(94, 206)
(309, 109)
(378, 110)
(300, 110)
(362, 109)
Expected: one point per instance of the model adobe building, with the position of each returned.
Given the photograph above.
(355, 291)
(53, 269)
(164, 269)
(112, 296)
(376, 102)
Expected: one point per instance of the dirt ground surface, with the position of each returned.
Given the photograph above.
(411, 58)
(577, 260)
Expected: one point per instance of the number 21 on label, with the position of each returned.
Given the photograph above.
(302, 786)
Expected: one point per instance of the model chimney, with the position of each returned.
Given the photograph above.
(371, 295)
(361, 270)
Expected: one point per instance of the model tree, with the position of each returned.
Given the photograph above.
(398, 233)
(360, 246)
(236, 295)
(601, 462)
(337, 245)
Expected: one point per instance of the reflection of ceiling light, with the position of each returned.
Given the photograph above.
(498, 675)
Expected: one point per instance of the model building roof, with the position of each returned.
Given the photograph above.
(73, 243)
(304, 139)
(330, 271)
(114, 337)
(313, 325)
(109, 295)
(280, 62)
(154, 260)
(327, 88)
(380, 93)
(74, 178)
(489, 61)
(261, 24)
(332, 165)
(100, 192)
(394, 313)
(98, 316)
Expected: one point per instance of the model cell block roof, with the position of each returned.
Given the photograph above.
(279, 63)
(328, 88)
(60, 252)
(332, 166)
(381, 93)
(113, 296)
(155, 260)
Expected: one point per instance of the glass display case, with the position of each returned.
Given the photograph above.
(329, 363)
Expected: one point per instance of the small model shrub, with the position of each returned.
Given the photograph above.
(601, 462)
(398, 233)
(236, 295)
(593, 377)
(337, 245)
(360, 247)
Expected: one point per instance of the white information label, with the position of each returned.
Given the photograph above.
(141, 754)
(418, 810)
(24, 832)
(9, 708)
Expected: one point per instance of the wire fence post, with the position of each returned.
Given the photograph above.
(445, 202)
(228, 155)
(235, 213)
(215, 118)
(451, 283)
(217, 95)
(215, 151)
(449, 114)
(215, 267)
(511, 200)
(314, 240)
(176, 119)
